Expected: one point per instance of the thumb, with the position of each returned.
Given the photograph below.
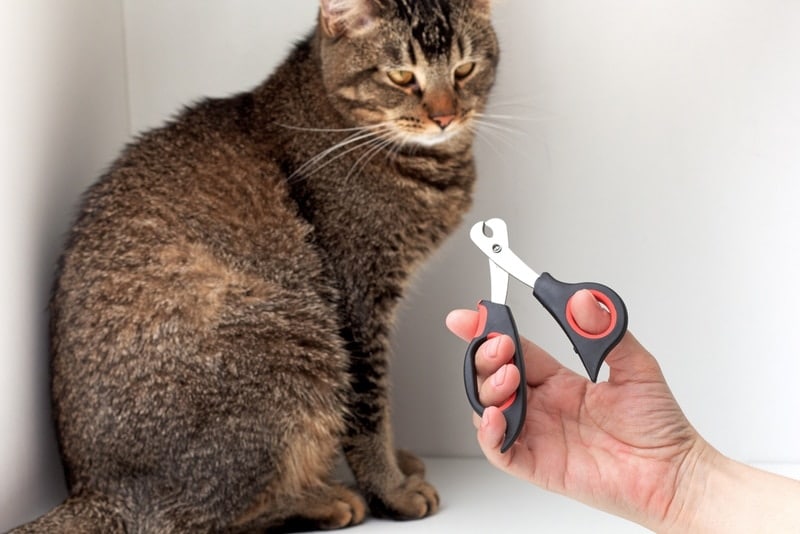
(588, 312)
(629, 361)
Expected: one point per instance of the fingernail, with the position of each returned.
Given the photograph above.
(500, 376)
(491, 347)
(485, 420)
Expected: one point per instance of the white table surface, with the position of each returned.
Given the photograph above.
(476, 498)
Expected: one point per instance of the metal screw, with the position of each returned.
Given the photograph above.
(497, 249)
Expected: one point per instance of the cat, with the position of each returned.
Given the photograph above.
(221, 315)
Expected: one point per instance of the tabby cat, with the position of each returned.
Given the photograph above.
(221, 316)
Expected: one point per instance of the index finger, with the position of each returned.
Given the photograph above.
(463, 323)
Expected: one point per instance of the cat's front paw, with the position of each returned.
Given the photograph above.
(409, 463)
(414, 498)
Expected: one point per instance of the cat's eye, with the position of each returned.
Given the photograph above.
(462, 71)
(403, 78)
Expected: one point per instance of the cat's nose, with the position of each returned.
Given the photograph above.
(443, 120)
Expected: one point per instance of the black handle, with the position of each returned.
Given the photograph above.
(496, 319)
(592, 348)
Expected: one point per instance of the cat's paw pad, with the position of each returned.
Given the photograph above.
(413, 499)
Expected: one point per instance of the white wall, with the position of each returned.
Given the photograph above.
(64, 115)
(182, 50)
(661, 158)
(655, 150)
(658, 153)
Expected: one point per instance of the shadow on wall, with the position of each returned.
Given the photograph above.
(69, 118)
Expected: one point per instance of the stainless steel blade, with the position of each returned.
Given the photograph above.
(498, 279)
(491, 237)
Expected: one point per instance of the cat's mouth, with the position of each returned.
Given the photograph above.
(429, 135)
(434, 138)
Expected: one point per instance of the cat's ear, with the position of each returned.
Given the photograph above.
(347, 17)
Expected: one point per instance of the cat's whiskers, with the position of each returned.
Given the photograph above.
(474, 130)
(362, 137)
(329, 130)
(385, 138)
(378, 145)
(492, 121)
(522, 109)
(400, 141)
(505, 117)
(498, 130)
(487, 130)
(311, 164)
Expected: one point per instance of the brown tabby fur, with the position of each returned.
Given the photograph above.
(221, 318)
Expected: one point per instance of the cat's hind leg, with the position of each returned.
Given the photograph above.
(325, 507)
(78, 514)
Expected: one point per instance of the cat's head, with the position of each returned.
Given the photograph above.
(420, 69)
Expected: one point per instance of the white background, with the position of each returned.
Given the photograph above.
(655, 148)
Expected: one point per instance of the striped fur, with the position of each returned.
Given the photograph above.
(222, 312)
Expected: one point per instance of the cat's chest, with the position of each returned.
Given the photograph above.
(376, 227)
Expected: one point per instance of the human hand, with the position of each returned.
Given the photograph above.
(621, 445)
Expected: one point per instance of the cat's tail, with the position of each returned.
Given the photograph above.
(78, 515)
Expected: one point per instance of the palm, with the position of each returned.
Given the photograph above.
(621, 441)
(585, 439)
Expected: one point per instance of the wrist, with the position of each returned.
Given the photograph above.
(717, 494)
(699, 469)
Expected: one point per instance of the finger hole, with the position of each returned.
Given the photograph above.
(594, 324)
